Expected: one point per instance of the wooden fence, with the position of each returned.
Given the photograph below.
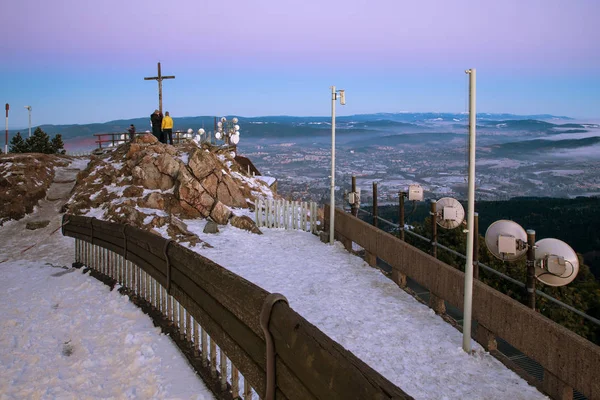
(279, 213)
(224, 324)
(569, 361)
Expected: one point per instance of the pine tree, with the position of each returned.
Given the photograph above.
(57, 144)
(39, 142)
(17, 144)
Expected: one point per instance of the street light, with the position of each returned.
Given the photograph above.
(468, 293)
(29, 109)
(334, 97)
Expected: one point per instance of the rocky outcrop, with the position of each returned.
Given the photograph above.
(152, 185)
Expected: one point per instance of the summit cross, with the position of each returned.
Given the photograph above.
(159, 78)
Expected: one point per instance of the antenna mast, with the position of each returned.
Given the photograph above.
(468, 299)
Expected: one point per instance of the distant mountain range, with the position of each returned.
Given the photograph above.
(269, 125)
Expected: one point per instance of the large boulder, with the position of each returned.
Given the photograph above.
(151, 185)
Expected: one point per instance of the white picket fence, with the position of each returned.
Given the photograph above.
(277, 213)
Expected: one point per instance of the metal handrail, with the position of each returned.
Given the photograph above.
(495, 272)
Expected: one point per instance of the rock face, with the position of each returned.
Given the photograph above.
(24, 181)
(152, 185)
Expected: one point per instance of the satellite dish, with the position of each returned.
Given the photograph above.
(232, 154)
(235, 120)
(235, 139)
(190, 131)
(506, 240)
(449, 213)
(223, 119)
(218, 135)
(556, 263)
(219, 124)
(237, 127)
(201, 131)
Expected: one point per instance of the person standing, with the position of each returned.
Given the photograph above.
(131, 131)
(167, 129)
(156, 120)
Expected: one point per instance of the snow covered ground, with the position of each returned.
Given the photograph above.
(65, 335)
(366, 313)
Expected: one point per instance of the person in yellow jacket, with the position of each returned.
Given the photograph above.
(167, 129)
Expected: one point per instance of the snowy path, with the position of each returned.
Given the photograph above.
(65, 335)
(366, 313)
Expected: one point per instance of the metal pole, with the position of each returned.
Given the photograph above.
(159, 89)
(353, 208)
(375, 213)
(29, 109)
(476, 246)
(432, 213)
(468, 292)
(530, 268)
(332, 193)
(401, 225)
(6, 139)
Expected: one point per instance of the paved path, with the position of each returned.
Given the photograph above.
(17, 239)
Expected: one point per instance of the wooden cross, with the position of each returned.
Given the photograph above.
(159, 78)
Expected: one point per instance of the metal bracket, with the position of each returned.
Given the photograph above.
(168, 265)
(265, 317)
(125, 239)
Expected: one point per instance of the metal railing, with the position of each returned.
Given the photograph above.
(487, 268)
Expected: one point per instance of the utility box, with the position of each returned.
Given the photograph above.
(354, 197)
(450, 213)
(507, 244)
(415, 193)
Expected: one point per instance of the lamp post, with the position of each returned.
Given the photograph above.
(29, 109)
(6, 140)
(468, 293)
(334, 97)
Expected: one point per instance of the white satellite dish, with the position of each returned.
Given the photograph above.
(237, 127)
(223, 119)
(449, 213)
(201, 131)
(556, 263)
(506, 240)
(190, 131)
(232, 154)
(235, 120)
(218, 135)
(219, 124)
(235, 139)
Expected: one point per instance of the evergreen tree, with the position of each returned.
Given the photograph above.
(57, 144)
(39, 142)
(17, 144)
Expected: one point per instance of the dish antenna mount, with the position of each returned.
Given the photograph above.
(555, 262)
(449, 213)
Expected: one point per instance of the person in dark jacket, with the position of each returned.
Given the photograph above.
(131, 131)
(156, 119)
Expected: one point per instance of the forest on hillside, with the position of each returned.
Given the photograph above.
(574, 221)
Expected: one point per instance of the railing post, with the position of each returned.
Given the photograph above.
(353, 208)
(476, 246)
(530, 263)
(401, 212)
(375, 218)
(433, 214)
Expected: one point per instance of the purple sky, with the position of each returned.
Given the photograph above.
(77, 63)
